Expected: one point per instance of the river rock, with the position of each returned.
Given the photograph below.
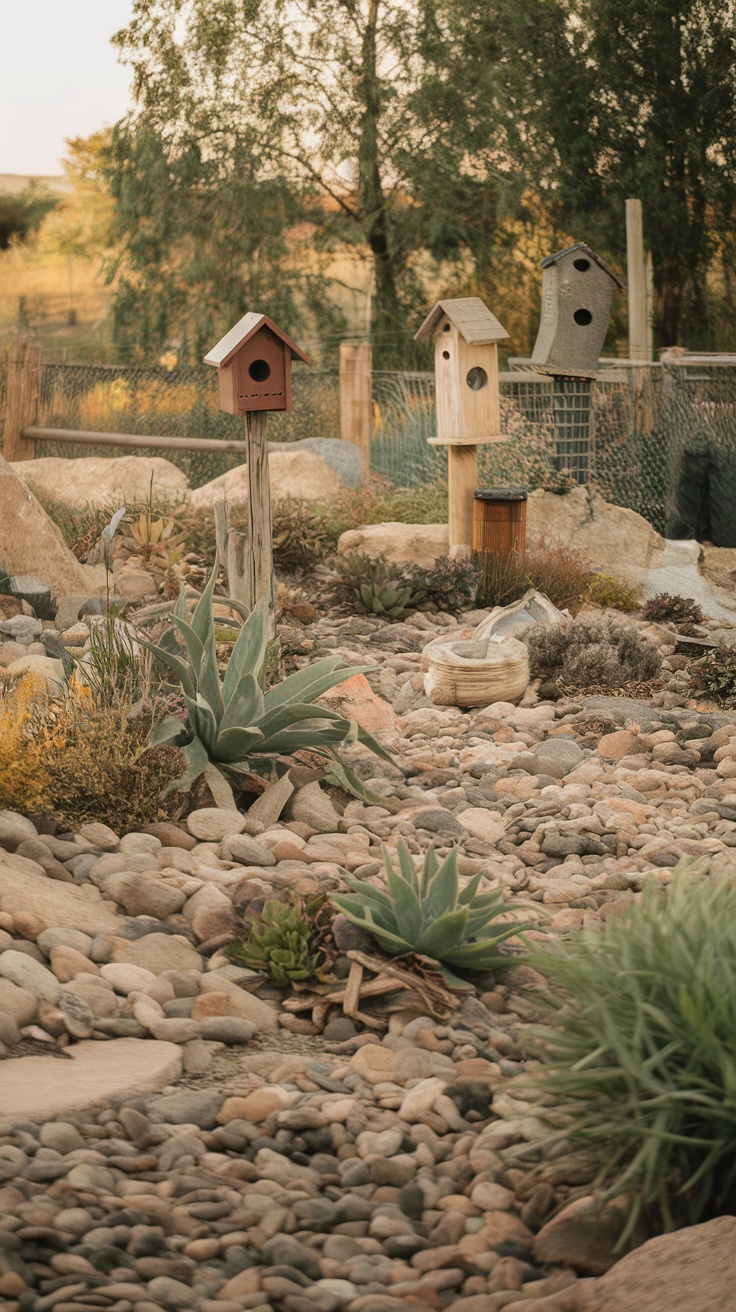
(211, 824)
(29, 975)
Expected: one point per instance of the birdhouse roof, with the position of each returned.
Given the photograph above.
(470, 316)
(582, 246)
(242, 332)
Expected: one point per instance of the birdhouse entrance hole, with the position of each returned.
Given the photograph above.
(581, 265)
(259, 371)
(476, 378)
(583, 318)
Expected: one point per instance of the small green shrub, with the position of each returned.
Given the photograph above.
(300, 536)
(430, 916)
(451, 584)
(375, 586)
(377, 501)
(559, 481)
(714, 675)
(77, 527)
(639, 1047)
(280, 940)
(559, 572)
(591, 652)
(612, 594)
(673, 609)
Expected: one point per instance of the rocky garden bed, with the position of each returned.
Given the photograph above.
(262, 1049)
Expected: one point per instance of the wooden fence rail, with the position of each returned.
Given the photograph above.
(86, 438)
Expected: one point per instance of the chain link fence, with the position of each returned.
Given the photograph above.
(661, 440)
(178, 402)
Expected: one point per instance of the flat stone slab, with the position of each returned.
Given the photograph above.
(58, 905)
(42, 1088)
(622, 709)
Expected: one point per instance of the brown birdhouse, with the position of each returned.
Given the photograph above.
(466, 337)
(254, 365)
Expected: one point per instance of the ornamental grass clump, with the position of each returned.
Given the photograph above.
(639, 1048)
(427, 914)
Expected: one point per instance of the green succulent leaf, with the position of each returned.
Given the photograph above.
(443, 891)
(249, 653)
(407, 865)
(166, 731)
(443, 935)
(198, 758)
(244, 704)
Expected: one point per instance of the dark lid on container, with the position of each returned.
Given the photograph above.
(500, 494)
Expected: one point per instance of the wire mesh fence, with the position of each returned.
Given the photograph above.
(660, 440)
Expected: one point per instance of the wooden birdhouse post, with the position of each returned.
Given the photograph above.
(577, 290)
(466, 337)
(253, 361)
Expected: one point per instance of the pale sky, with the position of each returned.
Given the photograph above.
(59, 77)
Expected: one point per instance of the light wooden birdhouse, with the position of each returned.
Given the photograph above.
(466, 337)
(254, 366)
(577, 290)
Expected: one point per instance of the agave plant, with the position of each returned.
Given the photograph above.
(430, 916)
(232, 724)
(375, 589)
(280, 941)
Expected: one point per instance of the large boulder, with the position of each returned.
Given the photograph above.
(99, 480)
(341, 456)
(294, 472)
(609, 537)
(620, 542)
(57, 904)
(401, 544)
(692, 1270)
(30, 542)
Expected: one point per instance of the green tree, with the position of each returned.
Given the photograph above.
(81, 224)
(367, 118)
(23, 212)
(632, 98)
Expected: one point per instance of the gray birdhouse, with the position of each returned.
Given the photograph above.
(577, 290)
(254, 366)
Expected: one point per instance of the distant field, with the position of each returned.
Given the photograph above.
(64, 302)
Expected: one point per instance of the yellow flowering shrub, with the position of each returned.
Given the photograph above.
(23, 744)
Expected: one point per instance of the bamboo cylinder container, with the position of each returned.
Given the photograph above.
(499, 521)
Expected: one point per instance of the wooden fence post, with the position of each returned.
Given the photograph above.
(636, 275)
(356, 402)
(639, 330)
(261, 579)
(22, 400)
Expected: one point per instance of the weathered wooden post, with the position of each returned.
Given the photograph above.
(356, 400)
(254, 367)
(466, 337)
(22, 400)
(638, 273)
(577, 290)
